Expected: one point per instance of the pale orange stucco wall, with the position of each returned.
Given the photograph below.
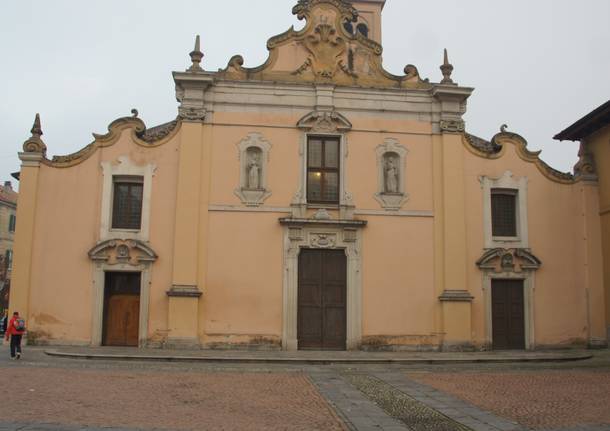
(556, 236)
(398, 292)
(599, 145)
(67, 226)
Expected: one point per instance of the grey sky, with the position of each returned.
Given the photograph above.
(537, 65)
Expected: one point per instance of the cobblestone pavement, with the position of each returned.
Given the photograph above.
(55, 394)
(548, 399)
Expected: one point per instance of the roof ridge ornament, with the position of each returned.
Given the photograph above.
(447, 70)
(196, 56)
(35, 144)
(303, 8)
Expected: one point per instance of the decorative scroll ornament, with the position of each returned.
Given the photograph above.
(585, 168)
(323, 240)
(324, 51)
(191, 113)
(304, 9)
(140, 135)
(508, 260)
(324, 122)
(116, 251)
(496, 148)
(35, 144)
(452, 126)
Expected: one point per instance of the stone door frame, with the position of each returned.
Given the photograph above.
(299, 234)
(528, 303)
(99, 280)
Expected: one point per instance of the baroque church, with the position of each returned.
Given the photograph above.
(314, 202)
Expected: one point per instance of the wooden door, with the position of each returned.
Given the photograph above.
(508, 314)
(121, 309)
(322, 311)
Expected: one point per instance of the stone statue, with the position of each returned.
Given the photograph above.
(391, 176)
(253, 172)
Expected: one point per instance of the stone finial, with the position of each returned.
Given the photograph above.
(36, 128)
(447, 70)
(34, 144)
(196, 56)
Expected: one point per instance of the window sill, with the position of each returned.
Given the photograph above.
(315, 206)
(125, 231)
(506, 239)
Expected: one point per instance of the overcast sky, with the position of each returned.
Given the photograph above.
(537, 65)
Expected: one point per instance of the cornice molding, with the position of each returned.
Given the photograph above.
(140, 135)
(496, 148)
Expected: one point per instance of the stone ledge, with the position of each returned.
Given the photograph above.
(456, 296)
(184, 292)
(308, 221)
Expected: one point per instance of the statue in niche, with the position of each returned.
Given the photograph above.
(391, 174)
(253, 169)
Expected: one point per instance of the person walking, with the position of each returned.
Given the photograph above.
(15, 330)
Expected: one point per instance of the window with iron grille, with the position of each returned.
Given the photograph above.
(127, 202)
(504, 212)
(323, 170)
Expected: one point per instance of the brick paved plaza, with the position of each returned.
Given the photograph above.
(539, 400)
(55, 394)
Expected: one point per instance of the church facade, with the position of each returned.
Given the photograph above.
(314, 202)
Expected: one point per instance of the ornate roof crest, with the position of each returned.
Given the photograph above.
(304, 8)
(496, 148)
(324, 51)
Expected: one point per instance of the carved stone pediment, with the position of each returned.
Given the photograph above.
(117, 251)
(324, 122)
(508, 260)
(324, 51)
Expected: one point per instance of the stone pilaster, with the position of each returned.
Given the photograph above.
(450, 225)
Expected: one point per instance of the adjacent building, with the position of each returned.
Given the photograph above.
(314, 202)
(8, 210)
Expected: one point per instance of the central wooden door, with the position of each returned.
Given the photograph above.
(322, 314)
(508, 314)
(121, 309)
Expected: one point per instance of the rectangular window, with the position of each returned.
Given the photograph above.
(504, 212)
(11, 223)
(127, 202)
(8, 259)
(323, 170)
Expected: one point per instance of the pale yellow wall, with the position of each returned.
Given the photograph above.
(282, 176)
(398, 291)
(398, 295)
(242, 289)
(67, 227)
(556, 227)
(243, 293)
(599, 145)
